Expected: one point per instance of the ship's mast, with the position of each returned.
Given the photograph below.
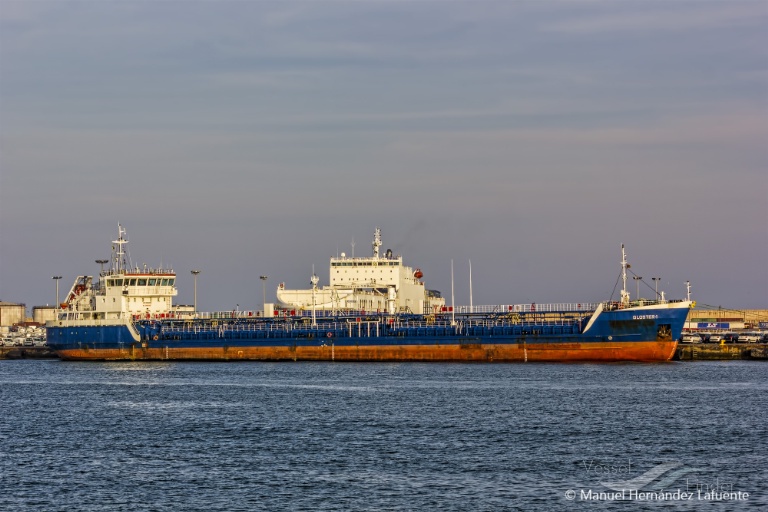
(314, 280)
(624, 267)
(453, 313)
(119, 261)
(471, 308)
(376, 243)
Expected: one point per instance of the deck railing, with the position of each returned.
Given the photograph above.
(221, 326)
(528, 308)
(447, 310)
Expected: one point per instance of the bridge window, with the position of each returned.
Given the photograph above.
(142, 282)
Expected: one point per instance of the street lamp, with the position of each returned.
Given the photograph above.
(264, 292)
(57, 278)
(195, 273)
(637, 281)
(656, 285)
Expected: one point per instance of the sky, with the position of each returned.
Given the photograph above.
(247, 138)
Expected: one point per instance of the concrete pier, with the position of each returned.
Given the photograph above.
(717, 352)
(27, 353)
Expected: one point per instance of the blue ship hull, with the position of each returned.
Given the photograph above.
(638, 334)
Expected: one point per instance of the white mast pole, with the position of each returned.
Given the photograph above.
(453, 306)
(314, 281)
(624, 266)
(119, 252)
(471, 307)
(376, 243)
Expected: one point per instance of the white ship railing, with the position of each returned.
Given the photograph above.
(526, 308)
(221, 326)
(487, 309)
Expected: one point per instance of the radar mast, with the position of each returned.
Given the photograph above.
(376, 242)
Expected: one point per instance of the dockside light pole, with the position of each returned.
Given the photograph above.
(57, 278)
(264, 294)
(195, 273)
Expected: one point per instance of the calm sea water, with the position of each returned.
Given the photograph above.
(325, 436)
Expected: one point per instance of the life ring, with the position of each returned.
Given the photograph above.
(329, 334)
(154, 337)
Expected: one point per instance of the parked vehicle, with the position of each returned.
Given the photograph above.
(749, 337)
(723, 337)
(691, 338)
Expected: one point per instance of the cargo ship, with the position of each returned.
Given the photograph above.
(374, 309)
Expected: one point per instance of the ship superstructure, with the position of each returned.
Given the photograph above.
(122, 292)
(377, 283)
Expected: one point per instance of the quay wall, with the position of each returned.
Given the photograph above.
(27, 353)
(715, 352)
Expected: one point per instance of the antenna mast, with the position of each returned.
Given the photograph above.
(314, 280)
(119, 253)
(471, 308)
(453, 313)
(624, 267)
(376, 243)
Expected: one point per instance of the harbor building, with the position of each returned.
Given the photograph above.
(726, 319)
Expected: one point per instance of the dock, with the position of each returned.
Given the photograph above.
(27, 353)
(717, 352)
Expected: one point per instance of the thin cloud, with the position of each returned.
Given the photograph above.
(658, 16)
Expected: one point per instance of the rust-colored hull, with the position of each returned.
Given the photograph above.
(519, 352)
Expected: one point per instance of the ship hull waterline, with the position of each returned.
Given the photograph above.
(638, 351)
